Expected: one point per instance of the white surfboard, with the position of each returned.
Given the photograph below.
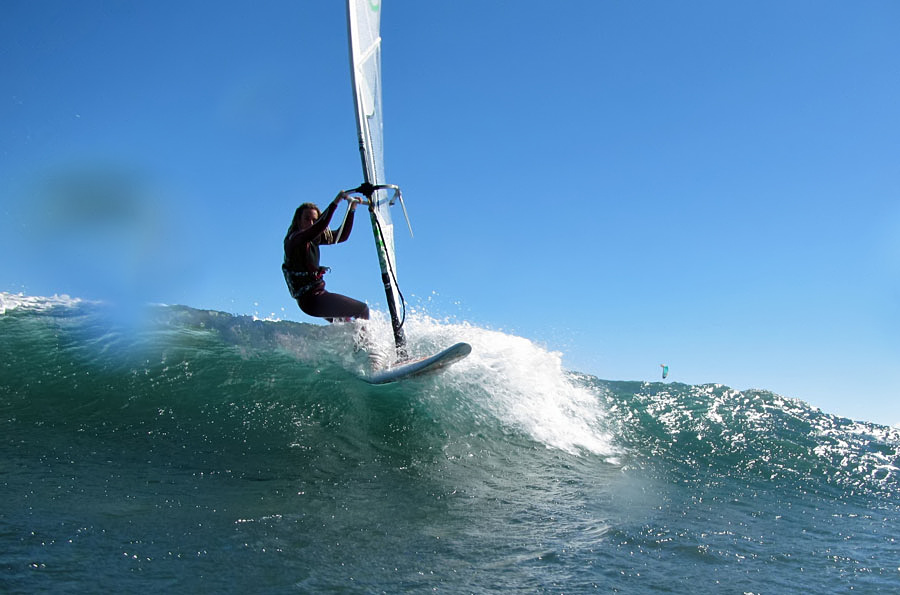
(428, 365)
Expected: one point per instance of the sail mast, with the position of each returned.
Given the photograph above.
(364, 28)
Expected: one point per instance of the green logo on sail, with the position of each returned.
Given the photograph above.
(375, 5)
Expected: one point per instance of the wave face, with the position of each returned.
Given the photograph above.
(197, 450)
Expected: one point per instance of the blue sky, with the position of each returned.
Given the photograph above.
(713, 185)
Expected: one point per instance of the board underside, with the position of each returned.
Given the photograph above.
(429, 365)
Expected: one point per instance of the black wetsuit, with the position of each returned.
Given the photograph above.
(304, 275)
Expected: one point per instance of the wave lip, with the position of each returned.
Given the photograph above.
(20, 301)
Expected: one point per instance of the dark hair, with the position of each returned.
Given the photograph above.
(295, 222)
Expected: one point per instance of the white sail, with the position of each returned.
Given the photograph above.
(364, 24)
(364, 21)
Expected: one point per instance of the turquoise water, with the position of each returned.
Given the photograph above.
(203, 452)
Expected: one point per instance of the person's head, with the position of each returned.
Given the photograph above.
(305, 215)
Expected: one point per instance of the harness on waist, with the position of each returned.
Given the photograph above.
(301, 282)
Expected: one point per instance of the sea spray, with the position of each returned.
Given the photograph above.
(521, 385)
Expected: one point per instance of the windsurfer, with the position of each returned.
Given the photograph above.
(308, 230)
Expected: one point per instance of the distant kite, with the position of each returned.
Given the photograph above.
(665, 370)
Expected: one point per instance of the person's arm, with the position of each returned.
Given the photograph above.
(348, 225)
(314, 230)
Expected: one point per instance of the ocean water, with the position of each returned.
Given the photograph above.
(198, 451)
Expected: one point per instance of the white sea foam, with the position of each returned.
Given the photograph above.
(520, 383)
(13, 301)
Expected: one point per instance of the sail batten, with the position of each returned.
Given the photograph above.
(372, 48)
